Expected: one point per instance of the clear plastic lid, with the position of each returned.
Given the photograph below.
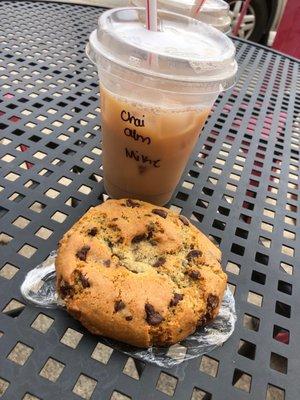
(183, 49)
(213, 12)
(211, 6)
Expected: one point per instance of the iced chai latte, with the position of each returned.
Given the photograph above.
(157, 90)
(146, 148)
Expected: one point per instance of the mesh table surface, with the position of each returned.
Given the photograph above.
(241, 186)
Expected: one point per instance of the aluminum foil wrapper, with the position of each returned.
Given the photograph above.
(39, 289)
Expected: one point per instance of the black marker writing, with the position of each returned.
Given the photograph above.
(131, 154)
(134, 154)
(136, 136)
(127, 117)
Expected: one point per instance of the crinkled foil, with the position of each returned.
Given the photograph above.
(39, 289)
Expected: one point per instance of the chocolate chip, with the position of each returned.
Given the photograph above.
(65, 290)
(93, 232)
(184, 220)
(194, 254)
(119, 305)
(129, 318)
(106, 263)
(205, 319)
(176, 299)
(192, 273)
(139, 238)
(83, 280)
(160, 212)
(82, 253)
(152, 317)
(109, 243)
(150, 235)
(113, 227)
(150, 229)
(159, 262)
(131, 203)
(212, 302)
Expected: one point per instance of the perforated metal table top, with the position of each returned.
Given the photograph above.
(241, 186)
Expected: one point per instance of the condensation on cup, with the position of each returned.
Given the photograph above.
(213, 12)
(156, 91)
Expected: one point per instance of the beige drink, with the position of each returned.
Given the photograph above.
(157, 89)
(145, 148)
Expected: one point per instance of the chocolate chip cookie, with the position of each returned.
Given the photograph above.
(140, 274)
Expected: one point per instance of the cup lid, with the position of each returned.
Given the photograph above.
(182, 49)
(212, 7)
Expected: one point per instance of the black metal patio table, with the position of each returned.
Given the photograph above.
(241, 186)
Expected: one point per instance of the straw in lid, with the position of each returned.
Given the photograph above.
(213, 12)
(186, 50)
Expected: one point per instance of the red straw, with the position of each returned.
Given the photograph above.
(199, 4)
(151, 25)
(151, 15)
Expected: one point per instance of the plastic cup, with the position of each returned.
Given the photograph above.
(156, 90)
(213, 12)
